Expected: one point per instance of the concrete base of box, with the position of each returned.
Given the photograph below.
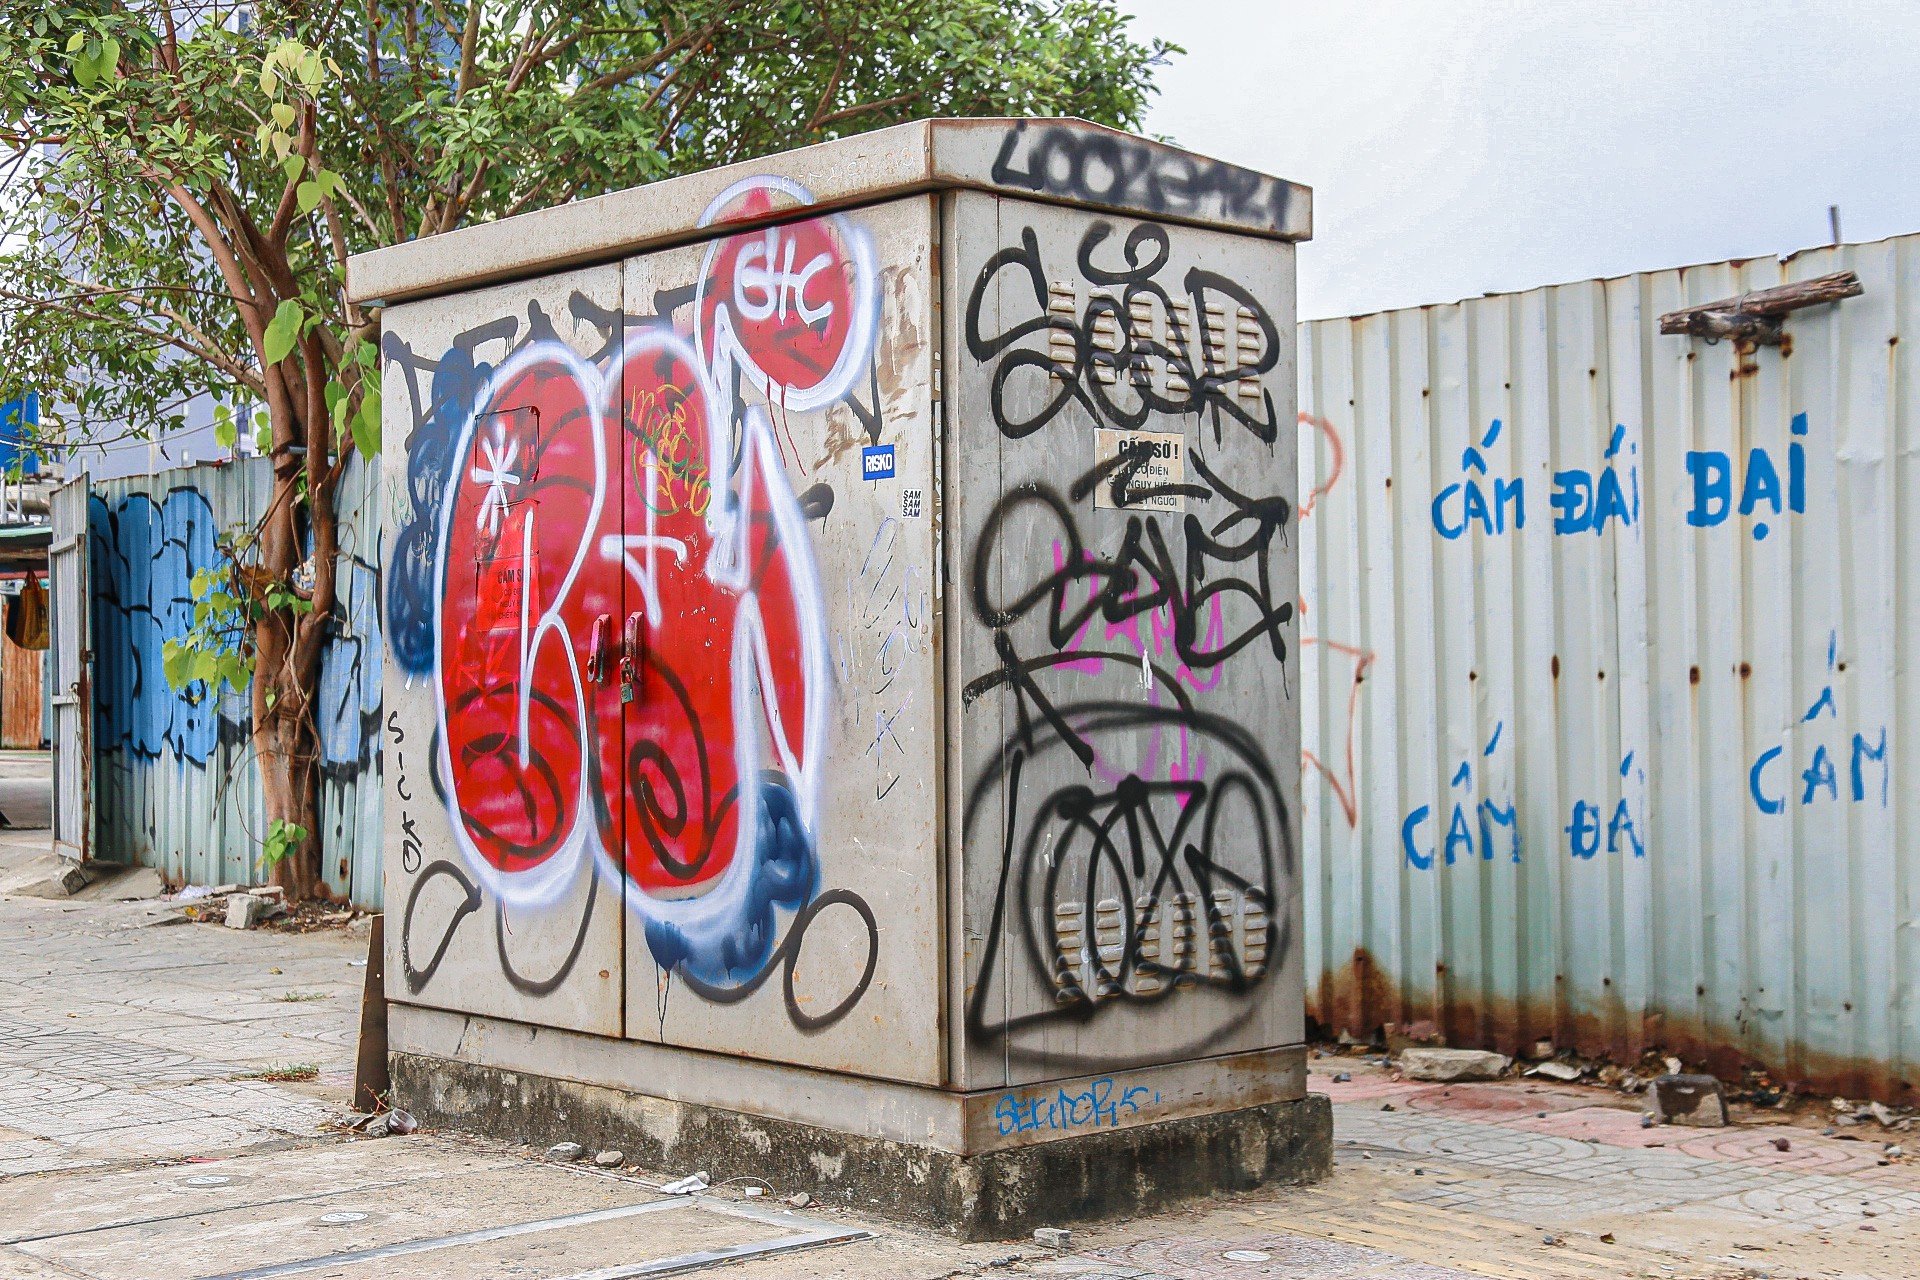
(992, 1195)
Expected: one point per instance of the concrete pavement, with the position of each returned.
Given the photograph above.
(140, 1138)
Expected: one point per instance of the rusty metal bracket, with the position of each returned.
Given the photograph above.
(1755, 319)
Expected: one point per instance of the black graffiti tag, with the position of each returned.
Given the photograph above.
(1113, 169)
(1202, 363)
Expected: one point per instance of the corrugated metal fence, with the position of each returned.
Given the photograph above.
(1610, 672)
(175, 782)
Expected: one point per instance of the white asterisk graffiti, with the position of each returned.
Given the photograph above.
(501, 454)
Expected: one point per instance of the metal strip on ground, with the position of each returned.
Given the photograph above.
(300, 1265)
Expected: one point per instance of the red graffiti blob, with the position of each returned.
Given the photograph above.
(787, 298)
(567, 535)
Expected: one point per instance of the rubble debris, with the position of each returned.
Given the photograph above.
(610, 1159)
(692, 1184)
(799, 1199)
(1053, 1237)
(1343, 1077)
(1421, 1034)
(1451, 1066)
(1782, 1144)
(249, 910)
(1542, 1050)
(566, 1151)
(1689, 1100)
(1556, 1071)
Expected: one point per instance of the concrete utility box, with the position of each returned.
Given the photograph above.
(841, 701)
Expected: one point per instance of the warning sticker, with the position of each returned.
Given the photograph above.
(506, 592)
(1136, 467)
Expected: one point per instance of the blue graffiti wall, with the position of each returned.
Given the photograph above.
(176, 783)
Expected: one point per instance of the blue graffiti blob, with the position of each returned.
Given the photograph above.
(143, 556)
(349, 715)
(785, 872)
(411, 574)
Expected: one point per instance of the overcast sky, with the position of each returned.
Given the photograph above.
(1467, 147)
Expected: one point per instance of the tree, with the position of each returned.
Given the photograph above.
(191, 177)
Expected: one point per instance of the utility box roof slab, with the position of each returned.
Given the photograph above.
(1061, 161)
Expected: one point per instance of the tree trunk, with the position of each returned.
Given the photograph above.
(287, 649)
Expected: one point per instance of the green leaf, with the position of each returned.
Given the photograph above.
(309, 194)
(283, 331)
(283, 838)
(226, 432)
(366, 426)
(283, 114)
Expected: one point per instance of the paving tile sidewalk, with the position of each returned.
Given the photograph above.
(122, 1039)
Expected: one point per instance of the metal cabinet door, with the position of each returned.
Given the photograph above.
(1120, 515)
(71, 658)
(502, 441)
(784, 889)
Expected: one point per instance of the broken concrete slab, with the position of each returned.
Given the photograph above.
(1451, 1066)
(1690, 1100)
(248, 910)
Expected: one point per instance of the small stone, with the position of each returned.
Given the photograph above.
(1053, 1237)
(1882, 1113)
(1553, 1240)
(1387, 1106)
(1606, 1237)
(1690, 1100)
(1542, 1049)
(1781, 1144)
(378, 1127)
(1894, 1151)
(1647, 1121)
(799, 1199)
(610, 1159)
(566, 1151)
(1841, 1104)
(1342, 1077)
